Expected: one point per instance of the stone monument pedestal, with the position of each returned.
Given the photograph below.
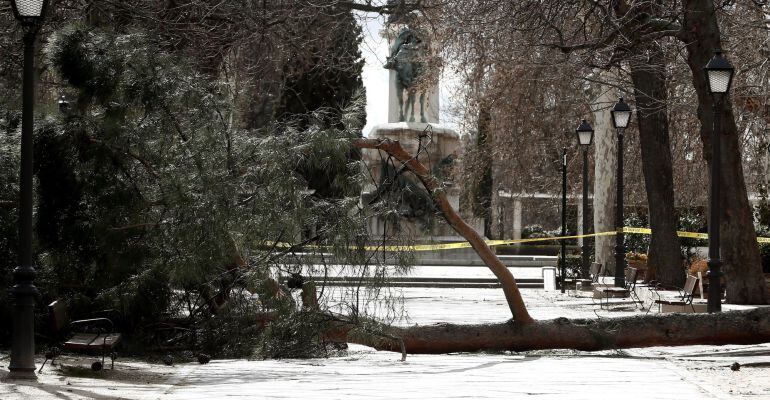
(437, 146)
(413, 95)
(440, 140)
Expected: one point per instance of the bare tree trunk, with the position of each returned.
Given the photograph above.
(745, 283)
(605, 174)
(664, 262)
(735, 327)
(483, 191)
(507, 281)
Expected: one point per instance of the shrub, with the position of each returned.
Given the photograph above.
(534, 229)
(573, 263)
(764, 252)
(636, 256)
(691, 221)
(636, 243)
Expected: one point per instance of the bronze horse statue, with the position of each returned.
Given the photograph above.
(404, 58)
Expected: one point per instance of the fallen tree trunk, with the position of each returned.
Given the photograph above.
(735, 327)
(507, 281)
(522, 332)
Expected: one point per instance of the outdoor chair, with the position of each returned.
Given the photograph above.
(627, 291)
(84, 335)
(684, 298)
(595, 271)
(703, 286)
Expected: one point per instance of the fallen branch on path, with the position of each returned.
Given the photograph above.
(733, 327)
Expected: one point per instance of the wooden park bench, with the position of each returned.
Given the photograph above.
(683, 298)
(621, 292)
(84, 335)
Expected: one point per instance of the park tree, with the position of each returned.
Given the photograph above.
(131, 199)
(147, 190)
(700, 31)
(101, 219)
(320, 84)
(480, 173)
(624, 37)
(552, 30)
(9, 180)
(605, 175)
(181, 202)
(647, 70)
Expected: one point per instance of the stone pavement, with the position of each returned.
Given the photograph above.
(364, 373)
(693, 372)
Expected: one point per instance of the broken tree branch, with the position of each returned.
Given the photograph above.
(507, 281)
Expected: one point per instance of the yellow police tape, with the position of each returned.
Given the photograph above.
(689, 235)
(465, 245)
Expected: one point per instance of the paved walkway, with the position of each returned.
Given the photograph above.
(442, 377)
(694, 372)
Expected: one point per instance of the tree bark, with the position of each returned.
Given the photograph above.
(507, 281)
(744, 280)
(664, 262)
(483, 191)
(605, 178)
(735, 327)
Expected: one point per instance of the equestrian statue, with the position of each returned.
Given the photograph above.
(405, 59)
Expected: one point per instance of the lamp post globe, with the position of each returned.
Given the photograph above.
(719, 75)
(585, 136)
(719, 72)
(30, 14)
(621, 116)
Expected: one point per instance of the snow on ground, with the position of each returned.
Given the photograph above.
(693, 372)
(427, 306)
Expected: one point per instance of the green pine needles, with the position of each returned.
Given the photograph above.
(153, 200)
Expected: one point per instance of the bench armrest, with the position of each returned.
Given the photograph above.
(658, 288)
(654, 285)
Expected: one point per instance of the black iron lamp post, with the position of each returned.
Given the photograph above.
(621, 115)
(585, 136)
(22, 366)
(720, 76)
(563, 253)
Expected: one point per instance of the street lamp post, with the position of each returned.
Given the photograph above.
(22, 366)
(621, 115)
(720, 76)
(585, 135)
(563, 242)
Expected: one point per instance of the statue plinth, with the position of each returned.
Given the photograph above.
(440, 146)
(445, 140)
